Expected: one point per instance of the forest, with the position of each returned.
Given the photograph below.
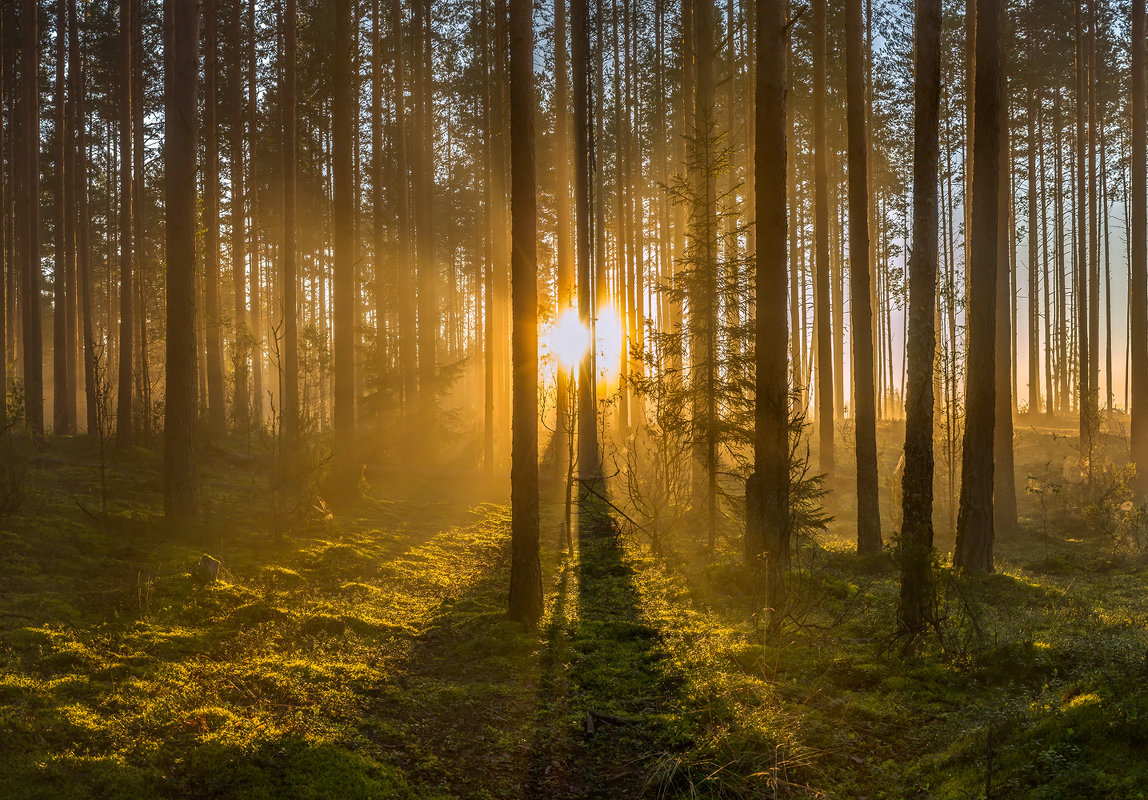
(573, 399)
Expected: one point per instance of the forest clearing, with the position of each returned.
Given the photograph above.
(367, 654)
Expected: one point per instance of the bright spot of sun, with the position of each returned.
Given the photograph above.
(569, 339)
(609, 334)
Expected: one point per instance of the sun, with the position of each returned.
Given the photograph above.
(568, 339)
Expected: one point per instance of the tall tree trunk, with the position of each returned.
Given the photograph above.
(1084, 388)
(1093, 228)
(255, 316)
(423, 135)
(1004, 477)
(85, 278)
(525, 570)
(825, 411)
(864, 410)
(241, 402)
(703, 301)
(1139, 245)
(500, 257)
(29, 219)
(70, 221)
(489, 245)
(974, 544)
(408, 345)
(770, 532)
(61, 389)
(216, 411)
(289, 367)
(918, 597)
(142, 377)
(589, 467)
(5, 231)
(343, 311)
(1033, 266)
(564, 240)
(182, 56)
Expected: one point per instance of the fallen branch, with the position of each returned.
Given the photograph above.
(594, 717)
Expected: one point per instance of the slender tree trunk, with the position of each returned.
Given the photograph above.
(864, 411)
(500, 257)
(704, 301)
(825, 411)
(343, 300)
(255, 316)
(85, 278)
(1138, 285)
(241, 398)
(180, 100)
(769, 533)
(62, 423)
(525, 570)
(918, 598)
(424, 182)
(1084, 352)
(216, 410)
(289, 368)
(1033, 266)
(408, 344)
(1093, 228)
(589, 467)
(1004, 478)
(29, 218)
(973, 551)
(564, 239)
(142, 376)
(5, 231)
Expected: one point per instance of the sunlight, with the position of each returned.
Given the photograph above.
(609, 334)
(568, 339)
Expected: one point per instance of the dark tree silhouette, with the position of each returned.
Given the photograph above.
(974, 545)
(917, 598)
(180, 126)
(525, 570)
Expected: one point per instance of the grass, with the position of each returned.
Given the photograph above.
(364, 652)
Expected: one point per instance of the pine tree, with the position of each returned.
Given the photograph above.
(864, 395)
(916, 545)
(973, 551)
(180, 126)
(525, 569)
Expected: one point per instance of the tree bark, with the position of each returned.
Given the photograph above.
(216, 411)
(973, 551)
(589, 466)
(179, 164)
(864, 402)
(1004, 475)
(61, 388)
(825, 397)
(525, 570)
(1084, 382)
(770, 533)
(29, 219)
(343, 300)
(917, 600)
(241, 397)
(1139, 245)
(289, 368)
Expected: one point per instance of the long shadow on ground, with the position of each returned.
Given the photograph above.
(608, 707)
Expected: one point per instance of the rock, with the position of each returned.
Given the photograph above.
(207, 570)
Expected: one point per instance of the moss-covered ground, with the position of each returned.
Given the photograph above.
(361, 651)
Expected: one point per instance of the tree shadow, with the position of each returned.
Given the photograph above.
(607, 707)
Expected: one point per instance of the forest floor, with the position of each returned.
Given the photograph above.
(363, 651)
